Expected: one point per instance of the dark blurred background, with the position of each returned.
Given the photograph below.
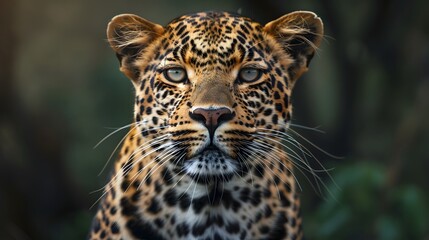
(367, 88)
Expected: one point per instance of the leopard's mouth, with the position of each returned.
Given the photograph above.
(211, 165)
(211, 148)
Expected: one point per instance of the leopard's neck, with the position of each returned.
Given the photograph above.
(158, 197)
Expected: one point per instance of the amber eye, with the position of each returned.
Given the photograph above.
(249, 74)
(175, 75)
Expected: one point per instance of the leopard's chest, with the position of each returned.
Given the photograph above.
(195, 211)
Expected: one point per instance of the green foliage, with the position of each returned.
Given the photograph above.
(367, 87)
(73, 226)
(365, 205)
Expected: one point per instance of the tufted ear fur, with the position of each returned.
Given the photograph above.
(300, 34)
(129, 35)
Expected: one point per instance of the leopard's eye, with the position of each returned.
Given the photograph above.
(175, 75)
(249, 74)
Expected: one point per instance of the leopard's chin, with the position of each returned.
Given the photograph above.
(211, 165)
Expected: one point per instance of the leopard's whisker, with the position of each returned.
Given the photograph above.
(288, 138)
(298, 145)
(181, 171)
(294, 155)
(277, 159)
(316, 177)
(315, 129)
(162, 161)
(248, 167)
(156, 160)
(114, 179)
(321, 165)
(299, 167)
(141, 148)
(254, 153)
(284, 137)
(314, 145)
(117, 146)
(241, 159)
(115, 131)
(172, 154)
(193, 192)
(120, 142)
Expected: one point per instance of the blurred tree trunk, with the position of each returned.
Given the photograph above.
(12, 207)
(35, 191)
(7, 47)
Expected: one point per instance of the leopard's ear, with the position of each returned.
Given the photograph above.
(300, 34)
(129, 35)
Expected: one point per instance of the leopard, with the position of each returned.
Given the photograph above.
(205, 156)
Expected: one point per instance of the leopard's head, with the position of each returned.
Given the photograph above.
(209, 86)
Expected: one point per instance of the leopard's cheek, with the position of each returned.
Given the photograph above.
(282, 108)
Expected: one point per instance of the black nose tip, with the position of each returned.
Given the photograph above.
(212, 118)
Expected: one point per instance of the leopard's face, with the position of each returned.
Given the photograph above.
(209, 86)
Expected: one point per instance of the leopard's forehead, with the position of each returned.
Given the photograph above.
(214, 22)
(210, 39)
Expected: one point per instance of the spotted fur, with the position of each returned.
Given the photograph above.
(204, 158)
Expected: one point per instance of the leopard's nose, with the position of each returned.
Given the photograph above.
(211, 117)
